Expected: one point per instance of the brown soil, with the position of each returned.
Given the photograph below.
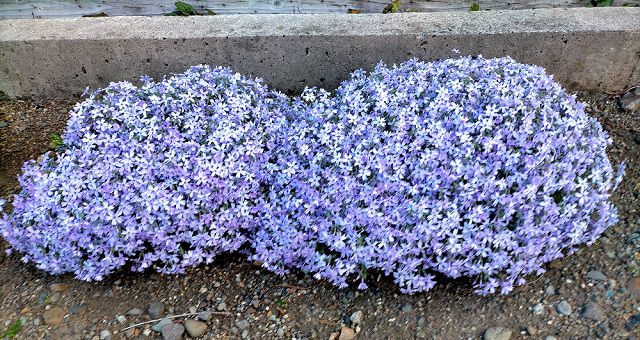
(297, 306)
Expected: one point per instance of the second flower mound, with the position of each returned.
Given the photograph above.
(484, 168)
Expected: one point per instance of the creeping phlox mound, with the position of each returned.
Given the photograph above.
(463, 167)
(483, 168)
(167, 174)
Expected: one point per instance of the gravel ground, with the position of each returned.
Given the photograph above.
(592, 294)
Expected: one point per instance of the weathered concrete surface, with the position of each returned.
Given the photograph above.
(593, 49)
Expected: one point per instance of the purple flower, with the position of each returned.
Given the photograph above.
(482, 168)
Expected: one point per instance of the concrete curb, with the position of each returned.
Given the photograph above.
(588, 49)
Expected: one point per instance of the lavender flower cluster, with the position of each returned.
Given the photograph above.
(164, 175)
(482, 168)
(474, 167)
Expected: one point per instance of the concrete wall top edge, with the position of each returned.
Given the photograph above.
(487, 22)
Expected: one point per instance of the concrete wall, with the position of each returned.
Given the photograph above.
(592, 49)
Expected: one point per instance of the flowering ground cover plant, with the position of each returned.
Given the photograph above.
(483, 168)
(472, 167)
(164, 174)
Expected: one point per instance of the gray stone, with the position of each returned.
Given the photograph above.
(596, 275)
(564, 308)
(204, 316)
(105, 334)
(356, 317)
(406, 307)
(255, 303)
(633, 321)
(497, 333)
(172, 331)
(242, 324)
(221, 306)
(538, 309)
(37, 322)
(76, 309)
(550, 290)
(630, 101)
(195, 328)
(550, 337)
(156, 310)
(61, 57)
(135, 311)
(158, 326)
(592, 311)
(121, 318)
(55, 297)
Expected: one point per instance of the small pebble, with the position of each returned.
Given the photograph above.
(242, 324)
(596, 275)
(630, 101)
(105, 334)
(195, 328)
(76, 309)
(497, 333)
(158, 326)
(172, 331)
(204, 316)
(356, 317)
(347, 333)
(538, 309)
(134, 311)
(532, 330)
(156, 310)
(550, 290)
(564, 308)
(406, 308)
(53, 316)
(634, 285)
(592, 311)
(634, 321)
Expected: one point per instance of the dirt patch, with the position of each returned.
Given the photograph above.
(263, 305)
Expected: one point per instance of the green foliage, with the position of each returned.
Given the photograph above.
(56, 141)
(12, 331)
(474, 7)
(392, 7)
(601, 3)
(184, 9)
